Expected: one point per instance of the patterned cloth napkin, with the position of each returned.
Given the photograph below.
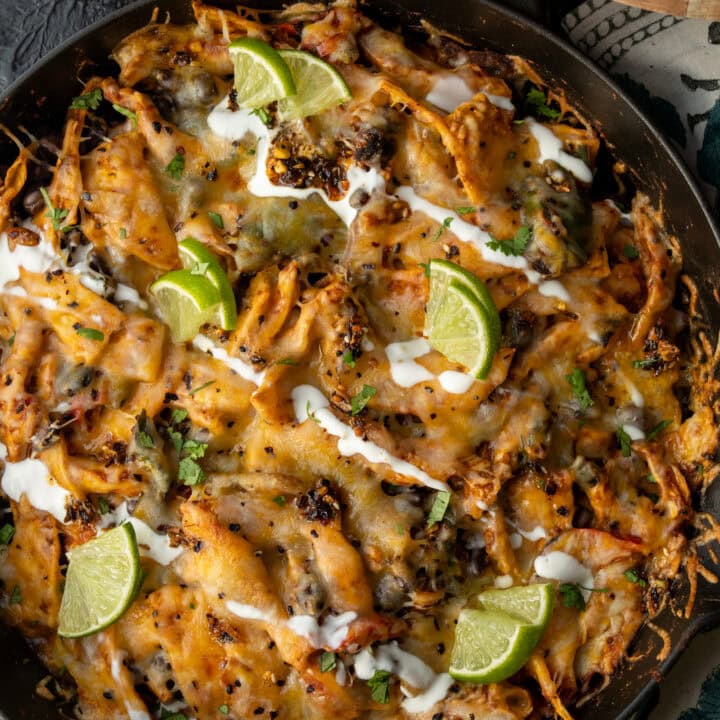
(670, 66)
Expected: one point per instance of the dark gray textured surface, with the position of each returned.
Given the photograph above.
(31, 28)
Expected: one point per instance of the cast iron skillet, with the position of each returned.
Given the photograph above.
(39, 100)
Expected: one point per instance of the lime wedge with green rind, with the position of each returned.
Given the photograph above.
(195, 254)
(186, 302)
(319, 86)
(442, 273)
(103, 578)
(261, 75)
(531, 604)
(491, 646)
(461, 329)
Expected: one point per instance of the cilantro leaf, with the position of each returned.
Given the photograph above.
(217, 219)
(379, 685)
(359, 401)
(16, 596)
(176, 438)
(6, 534)
(175, 167)
(576, 380)
(464, 210)
(658, 429)
(571, 596)
(287, 361)
(443, 227)
(280, 500)
(145, 439)
(194, 449)
(263, 114)
(327, 661)
(190, 472)
(56, 215)
(90, 333)
(537, 103)
(87, 101)
(103, 506)
(129, 114)
(630, 252)
(178, 415)
(349, 358)
(634, 577)
(625, 441)
(645, 364)
(514, 246)
(439, 507)
(224, 709)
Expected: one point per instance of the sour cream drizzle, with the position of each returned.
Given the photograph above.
(550, 147)
(330, 633)
(243, 369)
(410, 669)
(449, 91)
(150, 544)
(308, 401)
(32, 479)
(558, 565)
(405, 372)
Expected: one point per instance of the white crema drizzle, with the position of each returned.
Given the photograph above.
(558, 565)
(245, 370)
(309, 402)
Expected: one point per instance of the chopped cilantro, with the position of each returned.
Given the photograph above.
(464, 210)
(651, 478)
(658, 429)
(439, 507)
(359, 401)
(280, 500)
(196, 390)
(194, 449)
(6, 534)
(443, 227)
(573, 597)
(176, 715)
(514, 246)
(145, 439)
(630, 252)
(379, 685)
(625, 441)
(87, 101)
(199, 268)
(537, 103)
(263, 114)
(645, 363)
(349, 358)
(576, 380)
(178, 415)
(176, 438)
(123, 233)
(175, 167)
(426, 268)
(327, 661)
(103, 506)
(224, 709)
(129, 114)
(311, 413)
(16, 596)
(56, 215)
(11, 341)
(287, 361)
(634, 577)
(190, 472)
(217, 219)
(90, 333)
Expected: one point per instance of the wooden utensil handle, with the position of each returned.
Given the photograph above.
(709, 9)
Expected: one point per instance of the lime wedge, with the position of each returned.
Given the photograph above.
(186, 302)
(461, 327)
(490, 646)
(319, 85)
(196, 257)
(261, 75)
(442, 273)
(532, 604)
(103, 577)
